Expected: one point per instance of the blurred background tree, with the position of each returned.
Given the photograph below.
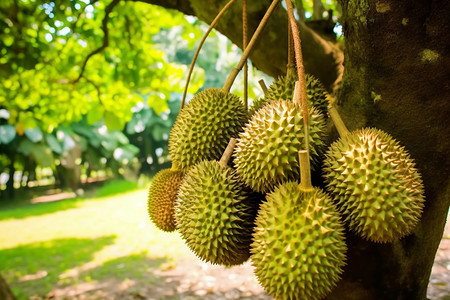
(92, 88)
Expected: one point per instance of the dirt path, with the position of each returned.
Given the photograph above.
(193, 280)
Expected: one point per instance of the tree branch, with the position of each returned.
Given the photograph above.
(105, 42)
(180, 5)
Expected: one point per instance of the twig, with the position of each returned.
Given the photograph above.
(191, 68)
(235, 71)
(97, 88)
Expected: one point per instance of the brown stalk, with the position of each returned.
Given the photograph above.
(227, 153)
(244, 45)
(300, 97)
(194, 59)
(235, 71)
(305, 171)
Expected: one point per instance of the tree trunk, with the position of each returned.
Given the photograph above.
(5, 291)
(396, 78)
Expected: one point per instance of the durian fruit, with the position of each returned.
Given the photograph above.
(215, 213)
(256, 105)
(298, 247)
(283, 88)
(204, 126)
(375, 183)
(161, 198)
(267, 151)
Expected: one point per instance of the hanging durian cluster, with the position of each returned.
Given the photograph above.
(253, 206)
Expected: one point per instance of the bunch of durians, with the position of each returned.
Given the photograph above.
(244, 201)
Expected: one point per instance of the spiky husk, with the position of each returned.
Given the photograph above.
(161, 198)
(376, 185)
(204, 127)
(256, 105)
(283, 89)
(266, 153)
(299, 248)
(215, 214)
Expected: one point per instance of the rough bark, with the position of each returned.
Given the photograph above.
(5, 291)
(397, 70)
(323, 58)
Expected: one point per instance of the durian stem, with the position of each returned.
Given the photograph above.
(194, 59)
(263, 86)
(291, 53)
(306, 125)
(290, 69)
(305, 171)
(248, 49)
(337, 120)
(244, 45)
(174, 166)
(226, 156)
(299, 60)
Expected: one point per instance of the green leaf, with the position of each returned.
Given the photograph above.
(42, 154)
(127, 152)
(197, 80)
(29, 122)
(120, 137)
(157, 102)
(112, 121)
(159, 132)
(174, 104)
(94, 115)
(25, 147)
(7, 133)
(35, 134)
(54, 144)
(139, 121)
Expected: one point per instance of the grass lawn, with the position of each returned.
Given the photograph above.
(54, 245)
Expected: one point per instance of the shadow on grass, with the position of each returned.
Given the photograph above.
(23, 210)
(34, 269)
(134, 266)
(126, 277)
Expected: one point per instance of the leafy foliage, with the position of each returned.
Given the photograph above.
(45, 44)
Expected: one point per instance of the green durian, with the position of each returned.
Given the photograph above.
(215, 214)
(204, 126)
(299, 249)
(161, 198)
(283, 89)
(267, 151)
(375, 183)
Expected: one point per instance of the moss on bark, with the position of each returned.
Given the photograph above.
(396, 69)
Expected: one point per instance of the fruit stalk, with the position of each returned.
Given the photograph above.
(299, 59)
(297, 92)
(305, 172)
(235, 71)
(263, 86)
(291, 54)
(227, 153)
(244, 45)
(337, 120)
(194, 59)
